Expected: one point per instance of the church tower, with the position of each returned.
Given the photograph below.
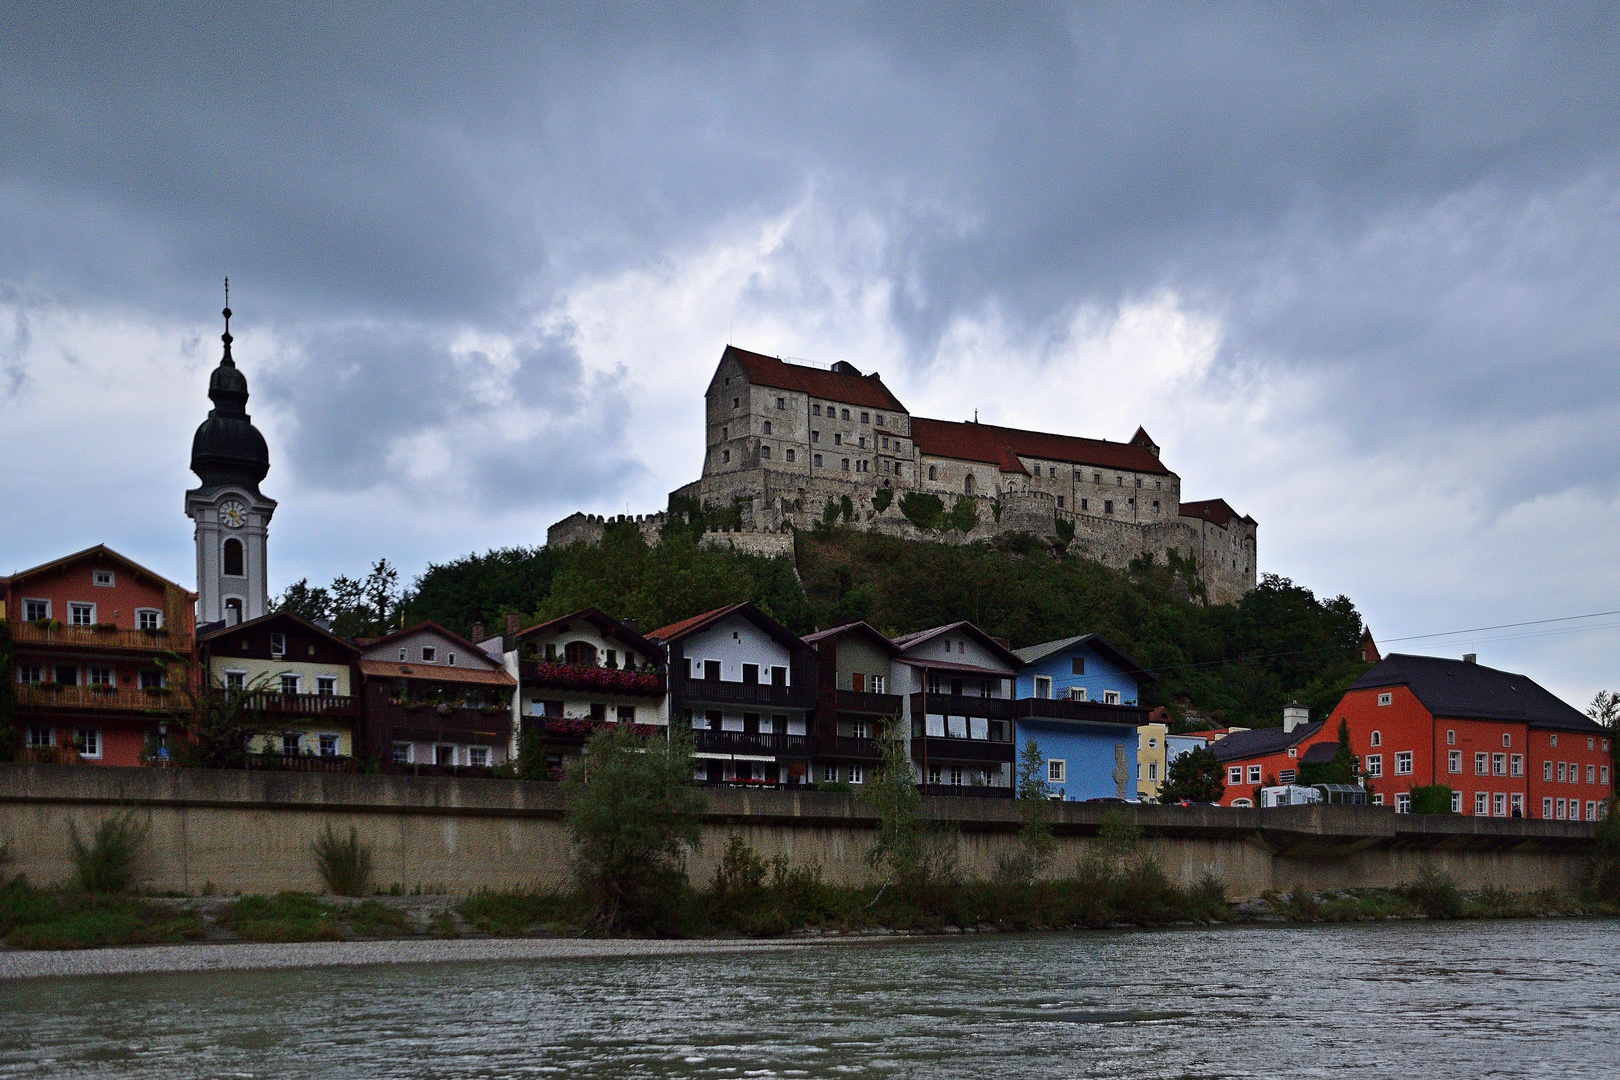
(232, 519)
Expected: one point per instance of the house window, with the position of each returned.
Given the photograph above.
(790, 455)
(1482, 804)
(235, 565)
(289, 684)
(1403, 803)
(1077, 693)
(935, 774)
(1377, 739)
(879, 684)
(478, 756)
(1242, 803)
(1516, 765)
(278, 644)
(68, 675)
(89, 740)
(767, 428)
(1234, 775)
(857, 774)
(36, 610)
(328, 745)
(450, 659)
(100, 676)
(289, 743)
(1386, 699)
(1546, 770)
(1547, 808)
(1507, 740)
(1604, 774)
(402, 753)
(430, 653)
(1043, 686)
(1516, 801)
(1110, 697)
(103, 578)
(1499, 764)
(1454, 761)
(326, 685)
(1482, 763)
(1563, 769)
(1153, 772)
(1254, 774)
(402, 657)
(41, 738)
(1456, 802)
(235, 680)
(82, 614)
(1554, 741)
(1590, 778)
(1375, 764)
(30, 673)
(1451, 738)
(1056, 771)
(151, 679)
(148, 619)
(1403, 763)
(1499, 804)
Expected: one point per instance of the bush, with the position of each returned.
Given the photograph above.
(922, 509)
(522, 911)
(1431, 799)
(288, 916)
(964, 515)
(1434, 893)
(107, 863)
(344, 865)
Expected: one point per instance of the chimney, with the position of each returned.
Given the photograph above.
(477, 632)
(1470, 658)
(1295, 715)
(512, 619)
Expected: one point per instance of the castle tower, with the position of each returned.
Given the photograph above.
(232, 518)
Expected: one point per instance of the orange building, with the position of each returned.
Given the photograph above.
(103, 648)
(1260, 757)
(1505, 746)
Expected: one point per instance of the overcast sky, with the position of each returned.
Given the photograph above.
(1354, 267)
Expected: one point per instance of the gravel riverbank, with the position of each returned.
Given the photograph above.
(239, 957)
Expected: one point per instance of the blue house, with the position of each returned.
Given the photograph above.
(1077, 701)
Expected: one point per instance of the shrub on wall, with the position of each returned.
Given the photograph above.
(1431, 799)
(922, 509)
(881, 501)
(964, 515)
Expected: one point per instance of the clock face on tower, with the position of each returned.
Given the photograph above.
(233, 514)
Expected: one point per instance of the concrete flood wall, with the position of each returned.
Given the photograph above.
(251, 832)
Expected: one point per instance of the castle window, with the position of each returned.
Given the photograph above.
(1096, 478)
(815, 410)
(866, 418)
(1108, 506)
(1156, 485)
(846, 414)
(1060, 502)
(933, 473)
(725, 433)
(767, 427)
(765, 453)
(816, 461)
(725, 457)
(845, 465)
(735, 402)
(838, 439)
(1037, 470)
(879, 419)
(1155, 505)
(815, 436)
(1119, 481)
(885, 443)
(233, 558)
(790, 453)
(967, 484)
(781, 403)
(1085, 504)
(1138, 481)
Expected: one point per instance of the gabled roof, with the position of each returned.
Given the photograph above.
(605, 623)
(996, 648)
(395, 669)
(686, 627)
(862, 628)
(429, 627)
(1460, 690)
(1215, 511)
(845, 387)
(1321, 753)
(1002, 447)
(1097, 644)
(1142, 438)
(1259, 742)
(216, 631)
(99, 551)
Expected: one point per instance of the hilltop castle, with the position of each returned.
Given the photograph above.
(785, 439)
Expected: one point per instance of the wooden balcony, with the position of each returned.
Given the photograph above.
(961, 705)
(696, 692)
(1079, 712)
(323, 705)
(90, 638)
(98, 699)
(848, 747)
(601, 681)
(439, 723)
(747, 742)
(860, 701)
(970, 751)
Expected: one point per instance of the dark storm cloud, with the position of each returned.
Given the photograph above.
(1422, 198)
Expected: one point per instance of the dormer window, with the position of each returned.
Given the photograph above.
(430, 654)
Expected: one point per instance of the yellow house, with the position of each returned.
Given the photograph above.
(305, 675)
(1157, 748)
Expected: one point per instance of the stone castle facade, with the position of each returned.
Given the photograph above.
(785, 439)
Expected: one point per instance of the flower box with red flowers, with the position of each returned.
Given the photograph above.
(600, 679)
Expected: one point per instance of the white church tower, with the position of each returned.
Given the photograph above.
(232, 518)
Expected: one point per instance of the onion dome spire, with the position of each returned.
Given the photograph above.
(227, 447)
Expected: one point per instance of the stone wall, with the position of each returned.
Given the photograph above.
(580, 528)
(749, 542)
(251, 832)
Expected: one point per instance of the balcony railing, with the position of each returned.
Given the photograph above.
(112, 699)
(430, 722)
(597, 680)
(301, 704)
(747, 742)
(310, 763)
(847, 746)
(1095, 712)
(89, 637)
(972, 750)
(962, 705)
(581, 728)
(765, 695)
(861, 701)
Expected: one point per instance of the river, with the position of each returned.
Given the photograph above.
(1413, 999)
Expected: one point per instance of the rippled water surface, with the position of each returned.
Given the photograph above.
(1519, 999)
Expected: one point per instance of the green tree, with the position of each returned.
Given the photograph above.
(483, 588)
(964, 515)
(922, 509)
(1034, 812)
(357, 607)
(1605, 709)
(1345, 768)
(911, 852)
(1431, 799)
(632, 813)
(1195, 776)
(223, 721)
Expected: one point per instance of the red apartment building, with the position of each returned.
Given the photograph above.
(103, 648)
(1503, 744)
(1260, 756)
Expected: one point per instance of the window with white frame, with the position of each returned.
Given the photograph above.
(41, 737)
(429, 654)
(1056, 771)
(1456, 802)
(1451, 737)
(1563, 771)
(1110, 697)
(1386, 699)
(1507, 739)
(478, 756)
(1077, 693)
(326, 685)
(103, 579)
(402, 753)
(1591, 777)
(1375, 764)
(1234, 775)
(1403, 763)
(1376, 739)
(290, 743)
(148, 619)
(1516, 765)
(235, 680)
(1482, 804)
(1043, 686)
(1254, 774)
(1546, 770)
(82, 614)
(30, 673)
(1482, 763)
(1516, 803)
(289, 683)
(1547, 807)
(328, 744)
(1403, 803)
(89, 740)
(1553, 740)
(36, 610)
(1242, 803)
(278, 645)
(1153, 772)
(1499, 804)
(1603, 773)
(1454, 761)
(857, 774)
(935, 774)
(100, 676)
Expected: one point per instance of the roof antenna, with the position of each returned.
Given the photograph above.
(975, 416)
(226, 337)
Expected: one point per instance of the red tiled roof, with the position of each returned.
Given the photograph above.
(867, 390)
(998, 446)
(392, 669)
(1214, 510)
(686, 626)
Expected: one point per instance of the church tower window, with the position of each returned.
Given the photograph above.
(233, 561)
